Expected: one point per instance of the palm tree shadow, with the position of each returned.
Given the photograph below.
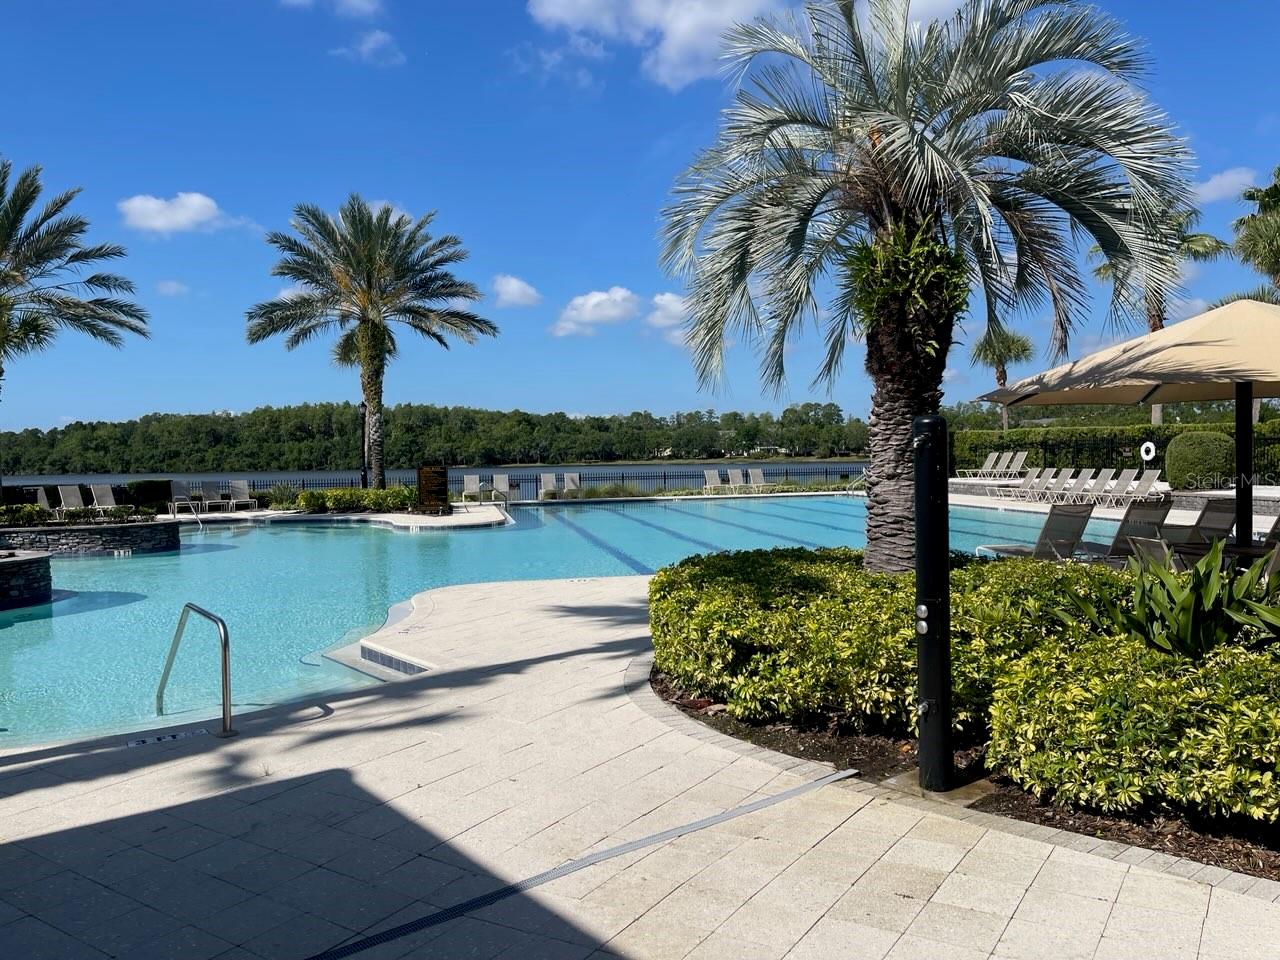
(68, 603)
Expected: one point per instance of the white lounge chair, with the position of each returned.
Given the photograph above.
(712, 482)
(737, 482)
(471, 486)
(1013, 468)
(757, 482)
(104, 498)
(241, 494)
(1059, 538)
(1072, 492)
(983, 470)
(180, 496)
(547, 487)
(502, 485)
(1097, 486)
(1142, 488)
(1038, 486)
(69, 498)
(572, 483)
(1009, 493)
(1122, 485)
(212, 497)
(1049, 493)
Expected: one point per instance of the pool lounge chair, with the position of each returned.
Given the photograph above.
(547, 487)
(1097, 486)
(1059, 538)
(1153, 548)
(1216, 520)
(1014, 468)
(1028, 478)
(42, 499)
(212, 497)
(1142, 520)
(1050, 493)
(737, 482)
(983, 470)
(572, 483)
(103, 498)
(1121, 484)
(713, 482)
(69, 498)
(471, 486)
(180, 496)
(1074, 490)
(1002, 464)
(757, 482)
(502, 486)
(1038, 485)
(241, 494)
(1143, 487)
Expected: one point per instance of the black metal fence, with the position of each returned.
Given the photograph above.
(528, 485)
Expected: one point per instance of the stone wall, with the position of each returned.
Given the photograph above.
(25, 580)
(156, 536)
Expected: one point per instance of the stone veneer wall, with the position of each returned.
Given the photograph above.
(25, 580)
(156, 536)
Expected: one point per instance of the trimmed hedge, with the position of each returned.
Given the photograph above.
(352, 499)
(1116, 725)
(809, 634)
(1200, 460)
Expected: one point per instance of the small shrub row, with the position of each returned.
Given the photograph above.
(33, 515)
(353, 499)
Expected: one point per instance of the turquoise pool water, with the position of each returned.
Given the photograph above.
(89, 663)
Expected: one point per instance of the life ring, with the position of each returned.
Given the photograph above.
(1148, 451)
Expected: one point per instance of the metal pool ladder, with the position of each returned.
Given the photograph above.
(224, 640)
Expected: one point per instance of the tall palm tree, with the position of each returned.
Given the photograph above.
(357, 276)
(1258, 233)
(997, 348)
(908, 162)
(1188, 247)
(47, 277)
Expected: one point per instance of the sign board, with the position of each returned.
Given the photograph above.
(433, 490)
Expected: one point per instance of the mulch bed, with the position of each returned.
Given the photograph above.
(1244, 846)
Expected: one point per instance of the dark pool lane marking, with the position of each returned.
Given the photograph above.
(630, 515)
(742, 526)
(813, 523)
(604, 545)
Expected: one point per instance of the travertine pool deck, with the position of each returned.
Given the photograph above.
(531, 741)
(463, 515)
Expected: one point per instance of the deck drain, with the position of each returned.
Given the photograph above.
(161, 738)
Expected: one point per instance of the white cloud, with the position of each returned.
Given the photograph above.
(396, 210)
(172, 288)
(1188, 307)
(376, 48)
(514, 292)
(585, 312)
(291, 291)
(357, 8)
(1226, 185)
(951, 375)
(680, 38)
(183, 211)
(669, 310)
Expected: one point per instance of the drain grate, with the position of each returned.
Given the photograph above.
(161, 738)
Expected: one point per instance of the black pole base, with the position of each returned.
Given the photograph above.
(933, 604)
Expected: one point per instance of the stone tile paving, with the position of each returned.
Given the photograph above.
(532, 741)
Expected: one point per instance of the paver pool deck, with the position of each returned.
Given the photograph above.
(533, 740)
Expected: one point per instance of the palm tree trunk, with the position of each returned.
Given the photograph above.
(907, 384)
(1155, 321)
(1002, 380)
(371, 374)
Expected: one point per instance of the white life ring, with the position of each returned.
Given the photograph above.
(1148, 451)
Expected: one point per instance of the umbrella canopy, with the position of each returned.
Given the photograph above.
(1201, 358)
(1232, 352)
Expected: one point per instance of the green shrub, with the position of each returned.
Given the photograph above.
(1191, 614)
(1115, 725)
(803, 634)
(281, 496)
(24, 515)
(1200, 460)
(311, 501)
(351, 499)
(153, 494)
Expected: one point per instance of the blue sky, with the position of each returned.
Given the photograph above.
(546, 134)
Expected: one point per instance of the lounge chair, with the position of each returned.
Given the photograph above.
(757, 482)
(737, 482)
(502, 485)
(1049, 494)
(1014, 467)
(1038, 486)
(983, 470)
(1215, 522)
(1099, 485)
(1153, 548)
(69, 498)
(240, 493)
(1110, 496)
(712, 481)
(212, 497)
(471, 486)
(547, 488)
(1142, 520)
(1028, 479)
(180, 496)
(42, 499)
(1074, 491)
(104, 498)
(572, 483)
(1059, 538)
(1143, 488)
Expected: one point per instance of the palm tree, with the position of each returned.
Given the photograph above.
(997, 348)
(908, 162)
(44, 286)
(356, 276)
(1258, 233)
(1189, 247)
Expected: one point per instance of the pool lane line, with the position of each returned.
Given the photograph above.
(573, 866)
(604, 545)
(706, 544)
(749, 529)
(813, 523)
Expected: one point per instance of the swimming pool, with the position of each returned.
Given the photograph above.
(89, 663)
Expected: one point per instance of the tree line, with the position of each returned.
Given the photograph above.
(326, 436)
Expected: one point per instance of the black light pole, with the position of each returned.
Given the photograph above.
(933, 604)
(1244, 463)
(364, 451)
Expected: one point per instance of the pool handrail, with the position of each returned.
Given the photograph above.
(224, 641)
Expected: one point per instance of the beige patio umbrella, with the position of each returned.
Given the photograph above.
(1232, 352)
